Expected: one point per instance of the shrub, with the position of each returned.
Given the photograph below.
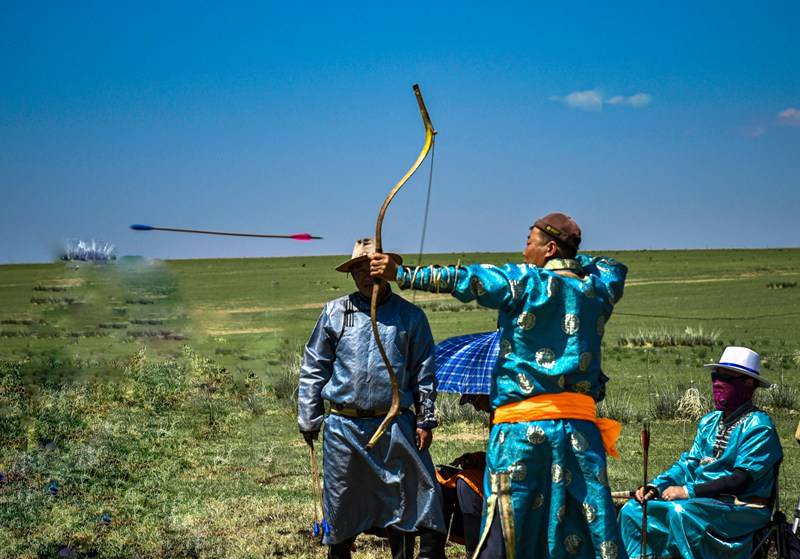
(777, 396)
(50, 288)
(781, 285)
(664, 338)
(148, 321)
(448, 411)
(664, 402)
(287, 380)
(679, 402)
(159, 386)
(13, 405)
(17, 321)
(619, 409)
(450, 306)
(692, 405)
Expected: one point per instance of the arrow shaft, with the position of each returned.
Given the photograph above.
(645, 459)
(226, 233)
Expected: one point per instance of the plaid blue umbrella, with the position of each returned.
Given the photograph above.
(464, 364)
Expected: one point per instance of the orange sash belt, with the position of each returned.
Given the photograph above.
(565, 405)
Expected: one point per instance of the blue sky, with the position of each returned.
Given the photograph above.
(662, 125)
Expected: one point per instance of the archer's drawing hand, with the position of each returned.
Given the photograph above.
(424, 439)
(642, 496)
(382, 266)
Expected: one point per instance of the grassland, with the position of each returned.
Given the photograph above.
(146, 407)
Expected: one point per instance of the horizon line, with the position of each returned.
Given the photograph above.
(708, 249)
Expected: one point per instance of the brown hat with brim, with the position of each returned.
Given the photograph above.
(362, 250)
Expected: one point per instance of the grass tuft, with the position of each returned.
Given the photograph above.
(781, 284)
(449, 412)
(778, 397)
(659, 337)
(619, 409)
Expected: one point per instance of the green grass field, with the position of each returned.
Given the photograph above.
(160, 393)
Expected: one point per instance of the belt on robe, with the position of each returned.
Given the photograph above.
(564, 405)
(350, 411)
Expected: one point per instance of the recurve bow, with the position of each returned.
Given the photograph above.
(430, 132)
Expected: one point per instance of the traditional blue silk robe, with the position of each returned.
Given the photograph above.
(392, 485)
(546, 479)
(705, 527)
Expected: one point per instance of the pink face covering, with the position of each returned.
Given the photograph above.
(730, 393)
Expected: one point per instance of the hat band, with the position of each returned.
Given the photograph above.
(737, 366)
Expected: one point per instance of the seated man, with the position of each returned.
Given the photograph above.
(462, 493)
(709, 503)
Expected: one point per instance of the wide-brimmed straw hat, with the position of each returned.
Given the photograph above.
(362, 250)
(741, 360)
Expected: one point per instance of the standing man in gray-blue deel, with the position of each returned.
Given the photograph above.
(393, 485)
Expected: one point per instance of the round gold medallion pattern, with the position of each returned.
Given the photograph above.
(584, 361)
(608, 550)
(477, 287)
(546, 357)
(558, 473)
(579, 441)
(535, 434)
(518, 471)
(572, 544)
(526, 320)
(583, 386)
(571, 324)
(525, 384)
(589, 512)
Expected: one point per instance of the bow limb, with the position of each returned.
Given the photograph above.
(430, 132)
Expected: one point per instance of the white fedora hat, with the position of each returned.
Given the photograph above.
(741, 360)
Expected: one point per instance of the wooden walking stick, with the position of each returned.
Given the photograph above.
(645, 453)
(319, 529)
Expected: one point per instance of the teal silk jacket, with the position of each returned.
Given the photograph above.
(723, 526)
(751, 443)
(551, 325)
(546, 480)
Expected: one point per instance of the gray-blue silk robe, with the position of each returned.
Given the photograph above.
(393, 485)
